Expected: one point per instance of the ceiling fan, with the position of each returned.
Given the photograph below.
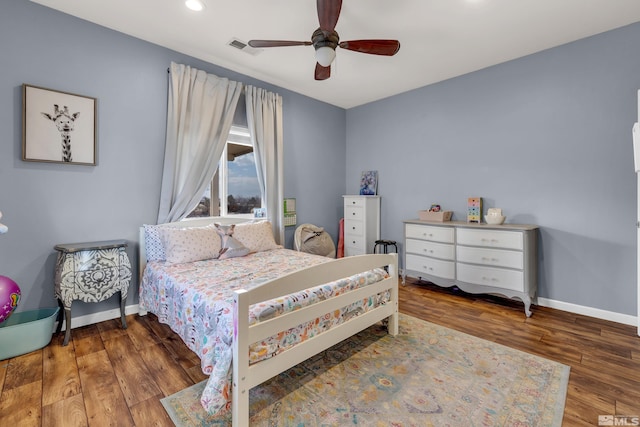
(325, 40)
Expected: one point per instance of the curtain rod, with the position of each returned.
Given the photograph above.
(243, 84)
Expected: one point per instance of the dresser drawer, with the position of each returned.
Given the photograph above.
(355, 241)
(353, 213)
(427, 232)
(354, 201)
(490, 238)
(424, 247)
(432, 266)
(488, 276)
(96, 259)
(97, 278)
(491, 257)
(350, 251)
(354, 228)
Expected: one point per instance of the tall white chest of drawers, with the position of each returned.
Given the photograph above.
(477, 258)
(361, 224)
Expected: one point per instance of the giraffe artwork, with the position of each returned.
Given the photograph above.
(65, 123)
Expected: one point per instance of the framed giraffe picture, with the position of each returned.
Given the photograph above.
(58, 127)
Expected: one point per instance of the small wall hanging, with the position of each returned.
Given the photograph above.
(58, 127)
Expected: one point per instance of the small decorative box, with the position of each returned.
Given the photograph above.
(474, 209)
(441, 216)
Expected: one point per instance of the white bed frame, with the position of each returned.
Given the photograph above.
(246, 376)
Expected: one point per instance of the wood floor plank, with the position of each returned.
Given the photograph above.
(151, 413)
(135, 380)
(140, 333)
(60, 373)
(24, 369)
(22, 405)
(111, 329)
(168, 374)
(86, 340)
(614, 366)
(585, 344)
(585, 408)
(4, 364)
(69, 412)
(631, 409)
(181, 353)
(104, 401)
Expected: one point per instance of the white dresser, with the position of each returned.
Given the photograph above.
(477, 258)
(361, 224)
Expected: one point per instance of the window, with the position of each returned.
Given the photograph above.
(235, 181)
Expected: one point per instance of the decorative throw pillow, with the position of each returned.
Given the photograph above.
(257, 236)
(189, 244)
(231, 247)
(152, 243)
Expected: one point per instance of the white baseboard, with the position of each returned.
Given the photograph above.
(92, 318)
(625, 319)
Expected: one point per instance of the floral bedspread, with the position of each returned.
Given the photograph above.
(196, 301)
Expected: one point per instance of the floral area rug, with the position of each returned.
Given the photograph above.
(428, 375)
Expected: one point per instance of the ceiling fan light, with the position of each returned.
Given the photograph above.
(196, 5)
(325, 55)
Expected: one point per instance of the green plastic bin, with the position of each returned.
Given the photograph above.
(26, 331)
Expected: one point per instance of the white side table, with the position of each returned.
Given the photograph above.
(91, 272)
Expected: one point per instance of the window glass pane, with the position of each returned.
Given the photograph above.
(242, 184)
(236, 180)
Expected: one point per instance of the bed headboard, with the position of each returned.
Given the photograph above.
(185, 223)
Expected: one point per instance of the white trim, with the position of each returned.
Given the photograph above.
(90, 319)
(625, 319)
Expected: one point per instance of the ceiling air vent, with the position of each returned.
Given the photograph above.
(240, 45)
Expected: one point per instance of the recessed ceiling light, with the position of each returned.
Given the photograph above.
(196, 5)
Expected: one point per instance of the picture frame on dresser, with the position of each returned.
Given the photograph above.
(58, 127)
(369, 183)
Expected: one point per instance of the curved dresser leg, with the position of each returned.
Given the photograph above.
(60, 316)
(123, 300)
(67, 319)
(527, 306)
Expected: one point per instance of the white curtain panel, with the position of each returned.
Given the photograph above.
(264, 119)
(199, 116)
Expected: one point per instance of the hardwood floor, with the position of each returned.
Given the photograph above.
(108, 376)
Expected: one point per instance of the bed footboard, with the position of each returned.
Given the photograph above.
(246, 376)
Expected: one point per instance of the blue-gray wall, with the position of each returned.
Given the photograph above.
(547, 138)
(46, 204)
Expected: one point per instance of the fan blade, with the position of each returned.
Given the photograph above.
(322, 73)
(375, 47)
(328, 13)
(277, 43)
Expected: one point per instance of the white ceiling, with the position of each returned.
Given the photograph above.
(439, 39)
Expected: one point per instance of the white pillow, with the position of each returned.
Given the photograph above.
(190, 244)
(257, 236)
